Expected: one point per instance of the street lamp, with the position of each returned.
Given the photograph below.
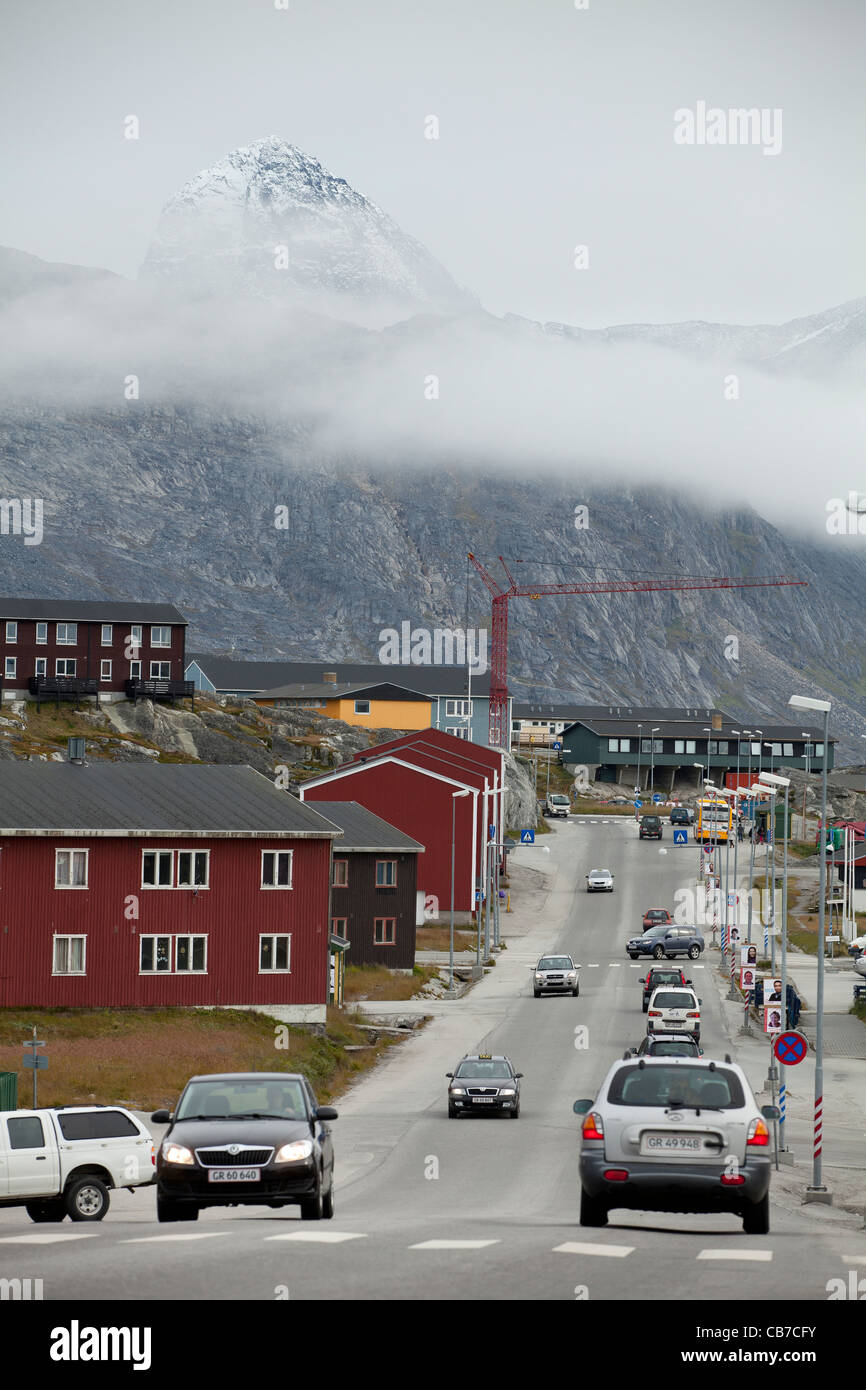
(652, 758)
(702, 769)
(817, 1192)
(783, 782)
(754, 791)
(770, 746)
(637, 788)
(760, 733)
(454, 796)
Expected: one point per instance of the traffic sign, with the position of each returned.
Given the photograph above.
(35, 1042)
(681, 837)
(557, 747)
(527, 837)
(790, 1048)
(637, 805)
(657, 796)
(34, 1063)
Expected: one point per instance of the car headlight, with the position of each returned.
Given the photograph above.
(291, 1153)
(538, 977)
(507, 1092)
(457, 1090)
(176, 1153)
(570, 975)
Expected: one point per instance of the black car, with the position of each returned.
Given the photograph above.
(650, 828)
(245, 1139)
(483, 1083)
(661, 975)
(664, 941)
(681, 815)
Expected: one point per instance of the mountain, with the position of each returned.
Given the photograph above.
(22, 274)
(221, 232)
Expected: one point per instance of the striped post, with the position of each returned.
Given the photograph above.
(783, 1091)
(819, 1125)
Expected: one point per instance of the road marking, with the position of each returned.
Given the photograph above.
(615, 964)
(321, 1237)
(577, 1247)
(735, 1255)
(180, 1235)
(854, 1259)
(634, 967)
(593, 965)
(701, 967)
(46, 1237)
(453, 1244)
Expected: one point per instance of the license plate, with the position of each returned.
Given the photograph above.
(234, 1174)
(483, 1100)
(655, 1143)
(673, 1023)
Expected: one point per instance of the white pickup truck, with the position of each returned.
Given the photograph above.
(62, 1162)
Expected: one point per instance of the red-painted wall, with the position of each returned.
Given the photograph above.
(232, 912)
(88, 653)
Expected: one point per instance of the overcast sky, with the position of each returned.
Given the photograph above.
(556, 129)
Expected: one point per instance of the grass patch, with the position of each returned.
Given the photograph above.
(142, 1058)
(592, 808)
(438, 938)
(802, 849)
(859, 1010)
(378, 982)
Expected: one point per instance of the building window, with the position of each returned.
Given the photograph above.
(41, 633)
(819, 750)
(276, 868)
(362, 706)
(691, 746)
(69, 955)
(459, 709)
(65, 666)
(40, 665)
(135, 670)
(712, 747)
(777, 750)
(155, 955)
(193, 868)
(789, 750)
(67, 634)
(625, 745)
(160, 636)
(160, 670)
(458, 731)
(679, 745)
(386, 873)
(613, 745)
(341, 873)
(274, 954)
(11, 632)
(384, 930)
(105, 670)
(723, 747)
(756, 749)
(70, 868)
(339, 927)
(9, 666)
(134, 640)
(156, 868)
(645, 745)
(190, 955)
(105, 639)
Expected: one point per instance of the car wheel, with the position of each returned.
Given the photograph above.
(632, 956)
(593, 1210)
(515, 1114)
(756, 1218)
(575, 992)
(537, 993)
(452, 1112)
(694, 952)
(645, 1006)
(52, 1210)
(312, 1208)
(328, 1201)
(167, 1210)
(86, 1199)
(658, 952)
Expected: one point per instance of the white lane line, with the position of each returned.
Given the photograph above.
(734, 1255)
(854, 1259)
(593, 965)
(634, 967)
(179, 1235)
(615, 964)
(321, 1237)
(47, 1237)
(453, 1244)
(703, 967)
(577, 1247)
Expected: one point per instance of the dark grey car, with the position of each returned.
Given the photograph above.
(666, 941)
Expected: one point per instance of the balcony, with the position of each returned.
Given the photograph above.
(62, 688)
(159, 689)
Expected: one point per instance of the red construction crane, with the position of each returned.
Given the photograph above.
(499, 623)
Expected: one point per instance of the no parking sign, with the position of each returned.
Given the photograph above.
(790, 1048)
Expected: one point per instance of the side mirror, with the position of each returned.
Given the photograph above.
(582, 1107)
(518, 1075)
(700, 1001)
(161, 1117)
(700, 1052)
(771, 1112)
(449, 1073)
(326, 1112)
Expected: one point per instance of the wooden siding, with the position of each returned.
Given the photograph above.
(88, 652)
(360, 902)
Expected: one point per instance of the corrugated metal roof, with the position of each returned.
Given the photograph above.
(328, 690)
(228, 673)
(151, 799)
(364, 831)
(773, 733)
(66, 610)
(612, 709)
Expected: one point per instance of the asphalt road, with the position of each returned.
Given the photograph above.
(482, 1207)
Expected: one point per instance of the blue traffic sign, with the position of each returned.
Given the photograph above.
(527, 837)
(557, 748)
(637, 805)
(657, 796)
(681, 837)
(790, 1048)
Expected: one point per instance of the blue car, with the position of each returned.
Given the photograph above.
(666, 940)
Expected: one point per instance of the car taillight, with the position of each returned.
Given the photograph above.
(153, 1154)
(616, 1174)
(693, 1013)
(759, 1135)
(732, 1179)
(654, 1013)
(593, 1126)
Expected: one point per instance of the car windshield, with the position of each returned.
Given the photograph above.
(679, 1085)
(556, 963)
(665, 977)
(658, 912)
(673, 999)
(482, 1071)
(672, 1049)
(227, 1099)
(559, 800)
(600, 873)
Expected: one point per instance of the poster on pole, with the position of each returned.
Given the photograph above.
(749, 978)
(772, 1019)
(773, 990)
(748, 955)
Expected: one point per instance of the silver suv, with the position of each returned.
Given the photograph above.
(557, 974)
(675, 1134)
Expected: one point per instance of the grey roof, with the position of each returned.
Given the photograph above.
(384, 690)
(612, 709)
(229, 673)
(364, 831)
(67, 610)
(775, 733)
(149, 799)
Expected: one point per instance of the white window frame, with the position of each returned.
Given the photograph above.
(788, 750)
(135, 670)
(11, 632)
(156, 641)
(691, 745)
(459, 731)
(625, 745)
(103, 640)
(458, 709)
(10, 667)
(156, 885)
(72, 850)
(155, 936)
(359, 703)
(66, 640)
(679, 745)
(41, 661)
(41, 641)
(385, 941)
(386, 885)
(68, 938)
(66, 661)
(160, 675)
(613, 745)
(276, 887)
(192, 884)
(190, 937)
(273, 937)
(104, 670)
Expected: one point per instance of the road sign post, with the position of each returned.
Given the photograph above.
(34, 1061)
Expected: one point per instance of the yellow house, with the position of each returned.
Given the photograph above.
(383, 706)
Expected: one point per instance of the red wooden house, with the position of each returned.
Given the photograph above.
(161, 884)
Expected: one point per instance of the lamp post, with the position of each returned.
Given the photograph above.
(639, 727)
(770, 746)
(754, 791)
(760, 733)
(817, 1192)
(702, 769)
(454, 796)
(783, 1091)
(652, 758)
